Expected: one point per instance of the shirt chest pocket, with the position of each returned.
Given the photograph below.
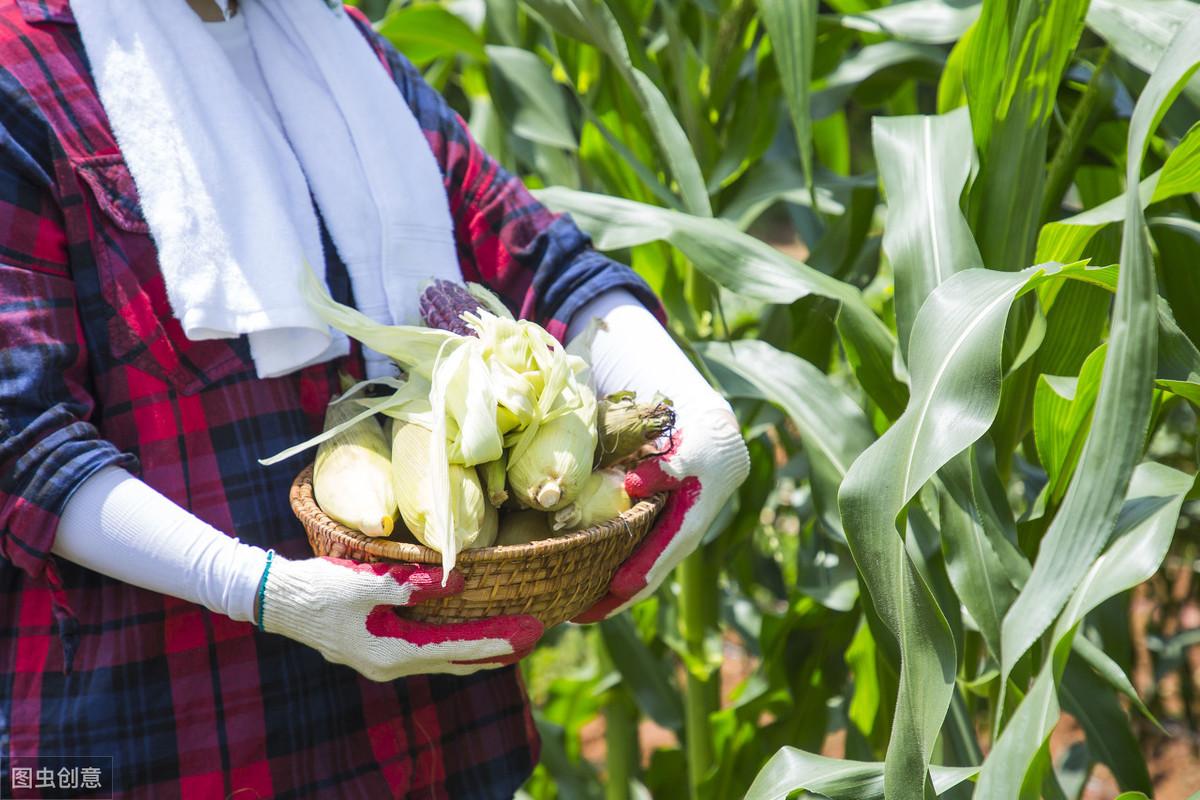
(142, 330)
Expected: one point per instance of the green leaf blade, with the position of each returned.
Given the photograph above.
(1122, 413)
(924, 163)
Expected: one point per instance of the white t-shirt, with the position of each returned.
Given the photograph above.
(233, 35)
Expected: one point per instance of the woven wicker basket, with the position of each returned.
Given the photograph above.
(553, 579)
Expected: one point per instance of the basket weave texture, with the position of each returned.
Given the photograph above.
(553, 579)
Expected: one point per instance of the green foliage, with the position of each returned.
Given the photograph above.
(954, 394)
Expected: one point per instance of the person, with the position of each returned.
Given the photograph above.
(163, 165)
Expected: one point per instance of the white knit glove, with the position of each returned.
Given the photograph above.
(704, 463)
(346, 610)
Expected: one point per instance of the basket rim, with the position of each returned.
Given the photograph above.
(305, 507)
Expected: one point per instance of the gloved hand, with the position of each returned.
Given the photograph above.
(704, 463)
(346, 611)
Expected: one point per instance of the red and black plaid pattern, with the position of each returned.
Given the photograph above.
(94, 370)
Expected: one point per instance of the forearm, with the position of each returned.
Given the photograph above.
(117, 525)
(701, 467)
(633, 351)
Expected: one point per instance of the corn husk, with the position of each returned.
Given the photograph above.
(602, 498)
(495, 478)
(626, 426)
(471, 520)
(489, 530)
(489, 300)
(413, 347)
(352, 476)
(523, 527)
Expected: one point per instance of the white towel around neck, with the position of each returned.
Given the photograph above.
(226, 192)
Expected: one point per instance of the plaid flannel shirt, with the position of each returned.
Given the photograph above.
(94, 370)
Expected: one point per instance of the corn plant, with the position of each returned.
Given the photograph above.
(950, 402)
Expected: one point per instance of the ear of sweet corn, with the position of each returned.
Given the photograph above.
(442, 305)
(489, 528)
(352, 476)
(471, 521)
(625, 426)
(550, 470)
(602, 498)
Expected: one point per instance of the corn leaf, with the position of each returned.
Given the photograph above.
(833, 428)
(983, 563)
(674, 144)
(769, 182)
(1115, 443)
(925, 163)
(883, 58)
(1140, 30)
(1076, 323)
(1062, 411)
(744, 265)
(1109, 736)
(1112, 674)
(955, 371)
(592, 21)
(426, 32)
(955, 377)
(952, 85)
(1013, 67)
(642, 672)
(1179, 175)
(1143, 534)
(926, 21)
(792, 28)
(828, 420)
(539, 112)
(791, 770)
(1178, 242)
